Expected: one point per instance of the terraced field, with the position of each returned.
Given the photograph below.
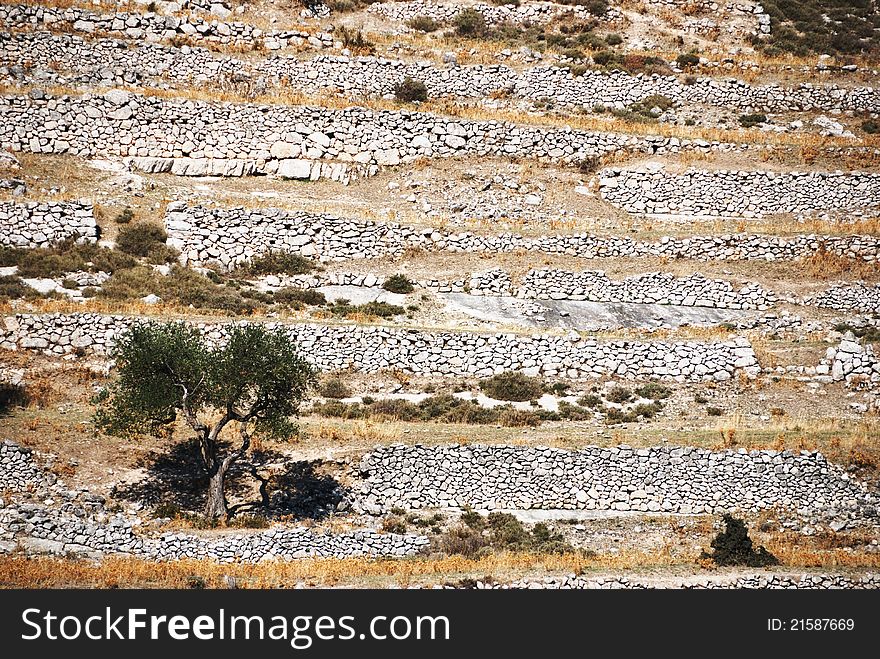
(578, 281)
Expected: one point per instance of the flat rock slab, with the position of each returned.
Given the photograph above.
(592, 316)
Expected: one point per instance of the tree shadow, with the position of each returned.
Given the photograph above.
(254, 485)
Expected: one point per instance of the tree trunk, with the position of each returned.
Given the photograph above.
(215, 505)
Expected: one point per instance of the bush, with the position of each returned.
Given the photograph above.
(613, 39)
(751, 120)
(475, 536)
(11, 396)
(66, 257)
(140, 239)
(423, 24)
(871, 126)
(512, 386)
(124, 216)
(714, 411)
(514, 418)
(334, 387)
(619, 395)
(734, 547)
(596, 7)
(590, 400)
(293, 295)
(398, 284)
(573, 412)
(354, 39)
(470, 23)
(13, 288)
(276, 263)
(410, 90)
(687, 59)
(654, 391)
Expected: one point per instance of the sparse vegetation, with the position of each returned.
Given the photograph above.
(423, 24)
(398, 284)
(512, 386)
(277, 263)
(334, 387)
(477, 536)
(752, 120)
(442, 408)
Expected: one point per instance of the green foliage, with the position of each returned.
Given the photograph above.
(343, 307)
(868, 333)
(512, 386)
(423, 24)
(836, 27)
(164, 368)
(613, 39)
(752, 120)
(470, 23)
(590, 400)
(12, 396)
(442, 408)
(685, 60)
(734, 547)
(181, 286)
(654, 390)
(293, 295)
(619, 395)
(398, 284)
(410, 90)
(476, 536)
(13, 288)
(65, 257)
(140, 239)
(124, 216)
(277, 263)
(334, 387)
(871, 126)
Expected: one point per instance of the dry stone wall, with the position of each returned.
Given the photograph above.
(273, 138)
(66, 59)
(151, 26)
(850, 297)
(234, 235)
(50, 518)
(659, 479)
(423, 352)
(647, 288)
(752, 582)
(40, 224)
(720, 193)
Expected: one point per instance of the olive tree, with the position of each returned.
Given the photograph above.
(252, 384)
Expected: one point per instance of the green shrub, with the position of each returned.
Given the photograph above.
(514, 418)
(734, 547)
(334, 387)
(291, 294)
(687, 59)
(573, 412)
(613, 39)
(398, 284)
(67, 257)
(470, 23)
(13, 288)
(140, 239)
(654, 391)
(619, 395)
(590, 400)
(276, 263)
(512, 386)
(12, 396)
(410, 90)
(871, 126)
(714, 411)
(751, 120)
(124, 216)
(423, 24)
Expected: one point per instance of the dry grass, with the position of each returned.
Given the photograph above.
(825, 265)
(130, 572)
